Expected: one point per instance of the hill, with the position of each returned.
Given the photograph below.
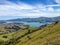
(49, 35)
(45, 35)
(39, 19)
(11, 27)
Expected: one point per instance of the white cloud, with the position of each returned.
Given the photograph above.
(22, 9)
(57, 1)
(54, 5)
(50, 9)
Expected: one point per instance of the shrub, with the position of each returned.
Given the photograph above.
(28, 37)
(4, 36)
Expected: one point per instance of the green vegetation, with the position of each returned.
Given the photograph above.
(45, 35)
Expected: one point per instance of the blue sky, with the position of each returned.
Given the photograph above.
(29, 8)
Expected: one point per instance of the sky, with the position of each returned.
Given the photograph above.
(10, 9)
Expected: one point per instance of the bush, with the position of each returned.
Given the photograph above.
(4, 36)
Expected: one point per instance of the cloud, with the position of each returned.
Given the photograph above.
(26, 10)
(51, 9)
(54, 5)
(57, 1)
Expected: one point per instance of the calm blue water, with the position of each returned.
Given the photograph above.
(33, 24)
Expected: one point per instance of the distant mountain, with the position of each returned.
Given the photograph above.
(40, 19)
(2, 21)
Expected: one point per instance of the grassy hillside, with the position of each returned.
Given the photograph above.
(48, 35)
(13, 35)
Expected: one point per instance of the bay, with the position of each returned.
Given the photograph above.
(33, 24)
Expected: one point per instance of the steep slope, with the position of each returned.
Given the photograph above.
(45, 35)
(49, 35)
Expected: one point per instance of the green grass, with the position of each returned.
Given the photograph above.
(14, 35)
(49, 35)
(46, 36)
